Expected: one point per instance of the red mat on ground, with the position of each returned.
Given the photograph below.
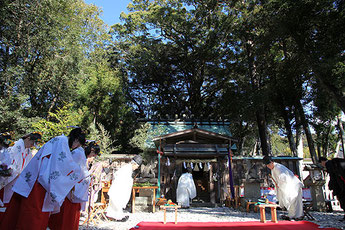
(252, 225)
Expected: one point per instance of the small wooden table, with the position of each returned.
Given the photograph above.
(273, 212)
(250, 203)
(164, 207)
(136, 189)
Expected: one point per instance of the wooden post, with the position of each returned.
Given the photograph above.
(212, 192)
(165, 215)
(232, 189)
(154, 200)
(262, 215)
(274, 214)
(133, 200)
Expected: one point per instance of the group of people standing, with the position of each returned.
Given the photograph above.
(49, 188)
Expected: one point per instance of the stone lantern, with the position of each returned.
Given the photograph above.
(315, 181)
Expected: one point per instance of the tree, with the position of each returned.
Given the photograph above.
(42, 51)
(103, 137)
(60, 122)
(102, 99)
(171, 54)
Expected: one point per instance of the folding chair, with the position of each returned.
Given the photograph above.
(96, 210)
(97, 214)
(307, 206)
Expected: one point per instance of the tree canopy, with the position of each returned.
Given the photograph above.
(274, 69)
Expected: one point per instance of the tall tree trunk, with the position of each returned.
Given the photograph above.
(300, 155)
(262, 126)
(325, 143)
(341, 134)
(260, 111)
(307, 131)
(292, 143)
(299, 138)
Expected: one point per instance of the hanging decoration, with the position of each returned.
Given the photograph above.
(167, 163)
(215, 176)
(207, 167)
(174, 175)
(196, 168)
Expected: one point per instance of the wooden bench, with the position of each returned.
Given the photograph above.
(164, 207)
(273, 212)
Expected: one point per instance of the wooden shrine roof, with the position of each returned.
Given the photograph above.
(194, 135)
(194, 143)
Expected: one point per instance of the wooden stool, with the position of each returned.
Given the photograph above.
(250, 203)
(273, 212)
(165, 212)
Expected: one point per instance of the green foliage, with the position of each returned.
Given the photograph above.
(12, 118)
(173, 57)
(279, 143)
(102, 99)
(43, 51)
(142, 139)
(59, 122)
(251, 62)
(100, 134)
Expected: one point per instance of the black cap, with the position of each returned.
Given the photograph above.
(138, 159)
(267, 160)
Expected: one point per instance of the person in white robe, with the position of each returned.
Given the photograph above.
(288, 189)
(83, 157)
(47, 179)
(5, 165)
(18, 156)
(76, 199)
(186, 190)
(5, 159)
(121, 189)
(79, 193)
(82, 189)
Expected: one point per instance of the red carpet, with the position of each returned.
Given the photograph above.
(252, 225)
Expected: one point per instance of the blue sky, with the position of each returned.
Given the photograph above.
(111, 9)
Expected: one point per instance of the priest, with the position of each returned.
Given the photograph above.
(186, 190)
(288, 189)
(120, 190)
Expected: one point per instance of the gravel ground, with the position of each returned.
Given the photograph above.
(205, 214)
